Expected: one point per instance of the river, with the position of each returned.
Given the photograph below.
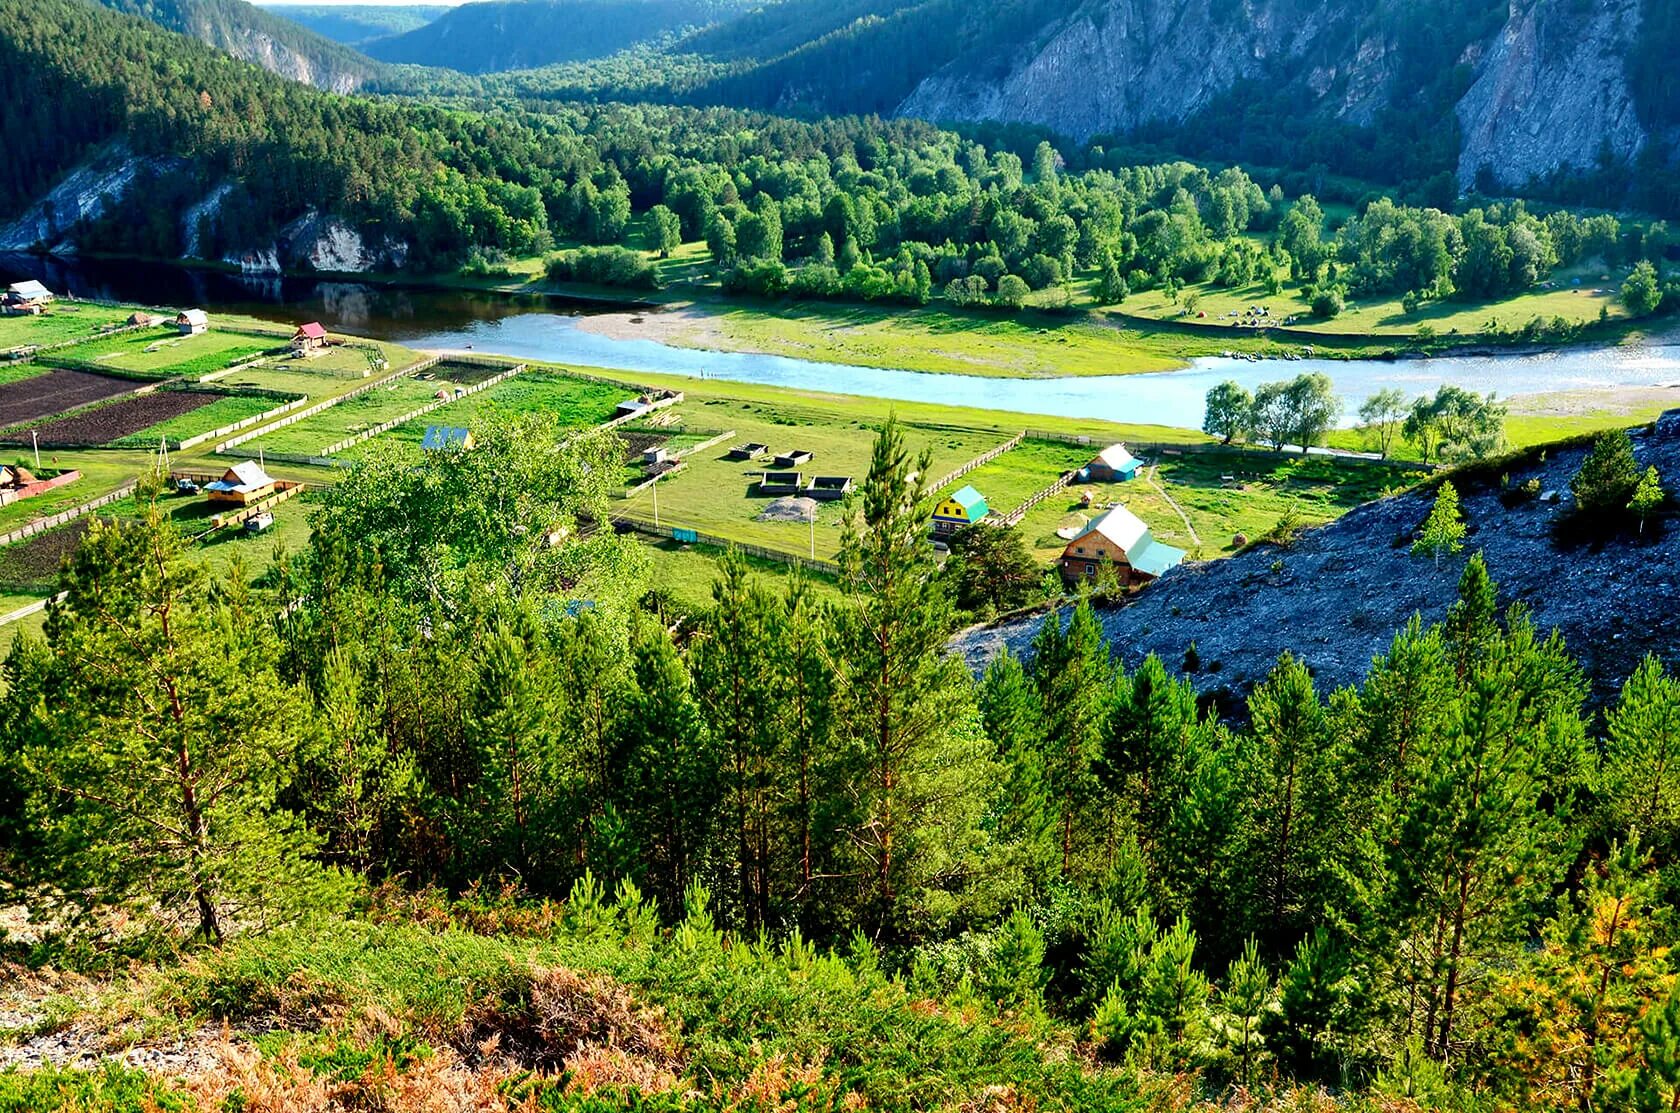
(547, 328)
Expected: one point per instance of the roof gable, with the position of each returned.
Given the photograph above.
(312, 331)
(29, 288)
(967, 503)
(1127, 532)
(1115, 456)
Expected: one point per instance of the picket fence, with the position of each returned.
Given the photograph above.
(436, 403)
(321, 407)
(42, 525)
(1013, 518)
(694, 537)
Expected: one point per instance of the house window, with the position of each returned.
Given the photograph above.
(1080, 549)
(1090, 570)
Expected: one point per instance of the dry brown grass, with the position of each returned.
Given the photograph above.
(437, 1084)
(554, 1014)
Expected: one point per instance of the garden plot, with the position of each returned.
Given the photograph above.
(142, 420)
(163, 352)
(55, 392)
(33, 564)
(354, 415)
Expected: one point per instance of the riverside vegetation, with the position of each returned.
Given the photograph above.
(843, 871)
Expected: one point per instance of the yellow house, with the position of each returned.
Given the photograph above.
(958, 510)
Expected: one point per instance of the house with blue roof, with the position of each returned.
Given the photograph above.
(446, 438)
(959, 510)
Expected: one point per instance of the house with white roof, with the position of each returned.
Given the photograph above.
(1118, 538)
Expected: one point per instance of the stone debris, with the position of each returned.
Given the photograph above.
(790, 508)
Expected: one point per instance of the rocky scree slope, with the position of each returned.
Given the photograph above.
(1339, 594)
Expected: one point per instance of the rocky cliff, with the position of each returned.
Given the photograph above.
(1532, 89)
(1613, 601)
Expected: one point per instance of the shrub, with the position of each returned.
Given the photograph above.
(1608, 477)
(1328, 303)
(604, 266)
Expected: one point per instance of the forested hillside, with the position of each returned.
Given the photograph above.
(840, 864)
(251, 34)
(521, 34)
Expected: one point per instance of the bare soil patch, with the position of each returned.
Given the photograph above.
(36, 561)
(116, 421)
(56, 391)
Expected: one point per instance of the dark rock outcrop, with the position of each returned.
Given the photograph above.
(1337, 596)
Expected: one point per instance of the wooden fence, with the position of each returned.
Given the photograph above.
(42, 525)
(321, 407)
(436, 403)
(694, 537)
(979, 461)
(681, 463)
(1013, 518)
(200, 438)
(30, 608)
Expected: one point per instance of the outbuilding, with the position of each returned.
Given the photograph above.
(1118, 538)
(192, 322)
(1112, 465)
(27, 296)
(959, 510)
(242, 484)
(309, 339)
(446, 438)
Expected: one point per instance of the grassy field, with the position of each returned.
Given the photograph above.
(1262, 489)
(1022, 472)
(309, 436)
(165, 352)
(686, 573)
(1385, 317)
(713, 494)
(63, 322)
(101, 472)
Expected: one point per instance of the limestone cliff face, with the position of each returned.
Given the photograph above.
(82, 195)
(1551, 92)
(254, 45)
(1547, 88)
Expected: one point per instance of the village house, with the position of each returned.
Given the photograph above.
(1120, 539)
(442, 438)
(242, 484)
(1112, 465)
(309, 339)
(959, 510)
(192, 322)
(28, 296)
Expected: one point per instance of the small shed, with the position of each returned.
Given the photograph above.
(309, 339)
(242, 484)
(1112, 465)
(446, 438)
(959, 510)
(655, 455)
(1118, 538)
(798, 458)
(28, 293)
(192, 322)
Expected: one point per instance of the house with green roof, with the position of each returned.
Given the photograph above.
(959, 510)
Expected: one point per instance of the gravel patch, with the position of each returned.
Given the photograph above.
(790, 508)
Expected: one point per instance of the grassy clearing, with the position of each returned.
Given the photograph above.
(163, 351)
(713, 494)
(101, 472)
(1262, 490)
(1385, 317)
(686, 573)
(62, 322)
(1019, 474)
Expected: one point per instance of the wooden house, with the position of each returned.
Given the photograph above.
(1118, 538)
(1112, 465)
(446, 438)
(959, 510)
(242, 484)
(28, 296)
(309, 339)
(192, 322)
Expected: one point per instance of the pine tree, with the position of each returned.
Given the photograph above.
(1015, 976)
(160, 741)
(1443, 530)
(1312, 1025)
(895, 680)
(1246, 1006)
(1072, 672)
(805, 679)
(1648, 497)
(1639, 774)
(1013, 718)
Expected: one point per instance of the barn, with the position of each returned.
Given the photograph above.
(309, 339)
(1112, 465)
(959, 510)
(192, 322)
(1118, 538)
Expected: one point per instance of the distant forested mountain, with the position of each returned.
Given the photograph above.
(521, 34)
(357, 24)
(253, 35)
